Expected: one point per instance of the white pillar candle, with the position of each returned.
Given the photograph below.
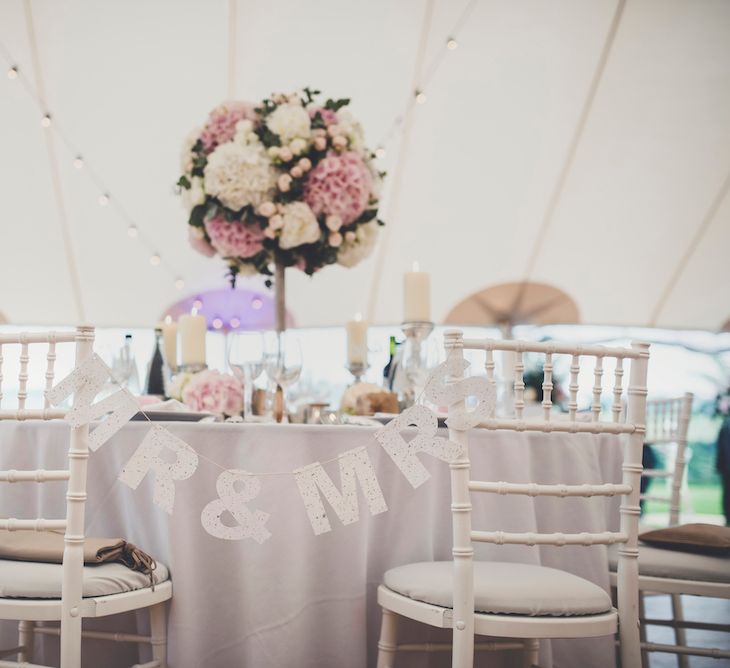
(357, 340)
(416, 296)
(169, 341)
(192, 338)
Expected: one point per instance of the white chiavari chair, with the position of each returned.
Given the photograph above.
(32, 600)
(667, 422)
(663, 571)
(518, 604)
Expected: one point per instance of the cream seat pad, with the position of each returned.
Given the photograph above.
(676, 564)
(503, 588)
(33, 579)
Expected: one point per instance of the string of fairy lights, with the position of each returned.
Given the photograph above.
(105, 198)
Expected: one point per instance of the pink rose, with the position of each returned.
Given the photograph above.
(267, 209)
(333, 223)
(276, 222)
(335, 239)
(350, 236)
(284, 182)
(214, 392)
(296, 172)
(328, 115)
(305, 164)
(320, 143)
(285, 154)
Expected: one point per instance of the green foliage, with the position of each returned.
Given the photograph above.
(184, 182)
(336, 105)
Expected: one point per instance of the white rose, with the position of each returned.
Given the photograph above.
(300, 226)
(354, 251)
(298, 146)
(289, 121)
(240, 175)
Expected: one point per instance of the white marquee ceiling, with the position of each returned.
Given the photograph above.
(644, 210)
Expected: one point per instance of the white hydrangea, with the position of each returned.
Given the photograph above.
(240, 175)
(300, 226)
(355, 251)
(289, 121)
(348, 403)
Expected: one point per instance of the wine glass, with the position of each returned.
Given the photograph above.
(283, 363)
(246, 354)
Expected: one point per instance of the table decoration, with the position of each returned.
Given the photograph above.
(287, 183)
(214, 392)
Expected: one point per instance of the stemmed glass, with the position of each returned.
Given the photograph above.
(246, 353)
(283, 363)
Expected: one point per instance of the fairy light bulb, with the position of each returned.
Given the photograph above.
(217, 323)
(46, 121)
(155, 260)
(78, 162)
(179, 283)
(13, 72)
(132, 232)
(197, 304)
(257, 303)
(452, 44)
(420, 96)
(103, 199)
(235, 323)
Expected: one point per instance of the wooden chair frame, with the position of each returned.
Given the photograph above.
(513, 631)
(72, 607)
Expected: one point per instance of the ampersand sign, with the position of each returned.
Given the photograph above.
(249, 524)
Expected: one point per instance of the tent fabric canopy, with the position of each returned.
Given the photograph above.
(638, 235)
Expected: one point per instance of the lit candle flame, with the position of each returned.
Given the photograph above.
(193, 311)
(415, 266)
(358, 316)
(168, 319)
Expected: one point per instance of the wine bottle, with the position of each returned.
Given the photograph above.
(387, 371)
(155, 379)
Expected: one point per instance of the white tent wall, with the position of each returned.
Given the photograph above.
(127, 81)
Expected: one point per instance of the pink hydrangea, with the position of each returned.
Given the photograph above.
(214, 392)
(234, 239)
(328, 115)
(339, 185)
(221, 124)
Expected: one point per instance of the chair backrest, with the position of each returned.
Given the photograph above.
(633, 435)
(667, 423)
(78, 454)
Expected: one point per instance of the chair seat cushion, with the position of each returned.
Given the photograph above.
(663, 563)
(503, 588)
(34, 579)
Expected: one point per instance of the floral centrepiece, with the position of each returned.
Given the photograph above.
(212, 392)
(288, 182)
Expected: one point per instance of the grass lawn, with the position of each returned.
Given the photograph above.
(703, 499)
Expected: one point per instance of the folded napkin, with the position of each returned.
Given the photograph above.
(47, 546)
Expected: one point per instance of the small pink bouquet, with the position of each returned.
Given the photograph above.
(214, 392)
(289, 182)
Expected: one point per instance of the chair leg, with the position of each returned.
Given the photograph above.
(26, 640)
(158, 632)
(680, 635)
(531, 653)
(642, 631)
(388, 643)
